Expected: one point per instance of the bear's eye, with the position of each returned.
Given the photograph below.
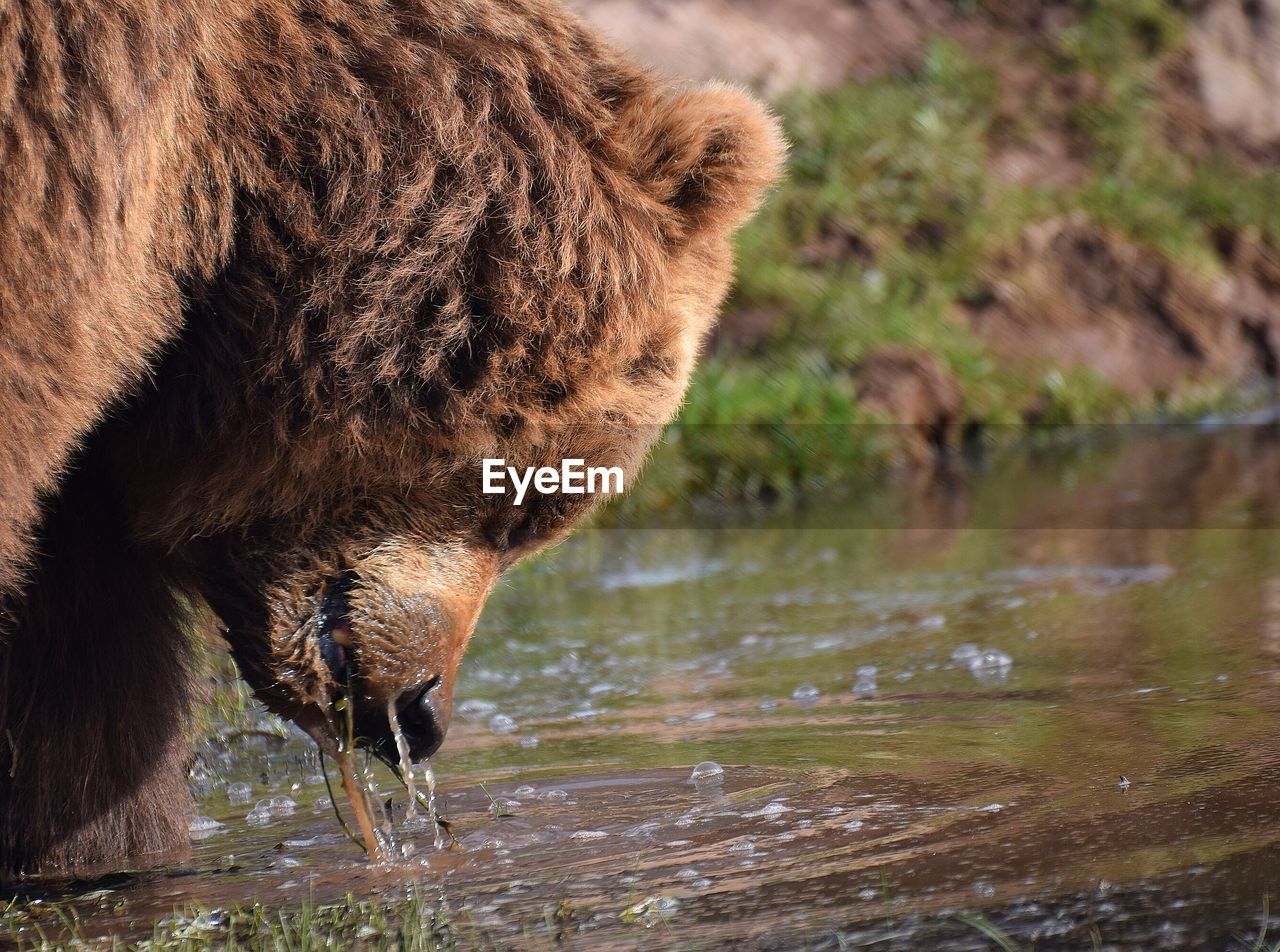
(512, 533)
(522, 533)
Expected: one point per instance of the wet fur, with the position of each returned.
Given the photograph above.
(279, 271)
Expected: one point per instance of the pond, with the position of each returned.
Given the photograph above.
(1036, 704)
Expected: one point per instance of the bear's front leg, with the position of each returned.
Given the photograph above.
(95, 704)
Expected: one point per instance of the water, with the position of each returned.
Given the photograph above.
(1048, 698)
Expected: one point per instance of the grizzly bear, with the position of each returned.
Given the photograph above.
(275, 277)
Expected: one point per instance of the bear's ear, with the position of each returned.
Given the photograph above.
(709, 154)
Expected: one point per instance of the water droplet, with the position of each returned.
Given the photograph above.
(502, 724)
(805, 692)
(707, 770)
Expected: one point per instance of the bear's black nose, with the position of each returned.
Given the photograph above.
(423, 719)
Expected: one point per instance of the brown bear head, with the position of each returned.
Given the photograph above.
(334, 516)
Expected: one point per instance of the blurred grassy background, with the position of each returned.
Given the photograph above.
(899, 274)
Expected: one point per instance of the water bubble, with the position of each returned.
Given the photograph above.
(853, 826)
(528, 743)
(984, 889)
(524, 790)
(672, 720)
(473, 709)
(266, 810)
(501, 806)
(203, 826)
(805, 692)
(770, 810)
(963, 654)
(322, 805)
(747, 845)
(933, 622)
(588, 835)
(239, 793)
(864, 687)
(651, 911)
(991, 666)
(554, 796)
(768, 705)
(707, 770)
(688, 873)
(502, 724)
(992, 658)
(867, 671)
(700, 884)
(702, 716)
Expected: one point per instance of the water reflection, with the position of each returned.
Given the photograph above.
(803, 732)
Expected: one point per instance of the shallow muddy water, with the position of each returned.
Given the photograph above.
(1047, 695)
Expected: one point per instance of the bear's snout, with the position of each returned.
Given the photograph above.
(386, 637)
(423, 715)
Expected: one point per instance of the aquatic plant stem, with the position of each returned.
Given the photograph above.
(333, 801)
(359, 799)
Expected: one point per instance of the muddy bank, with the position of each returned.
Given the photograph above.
(1096, 282)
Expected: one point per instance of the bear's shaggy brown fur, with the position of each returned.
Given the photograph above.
(274, 276)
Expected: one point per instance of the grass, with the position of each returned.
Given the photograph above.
(411, 924)
(896, 175)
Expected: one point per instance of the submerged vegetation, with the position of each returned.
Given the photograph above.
(907, 199)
